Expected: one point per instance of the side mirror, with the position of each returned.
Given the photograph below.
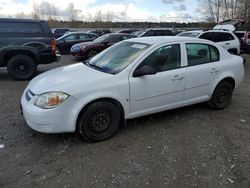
(144, 70)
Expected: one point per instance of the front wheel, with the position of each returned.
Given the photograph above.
(222, 95)
(100, 121)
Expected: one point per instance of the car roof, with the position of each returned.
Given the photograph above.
(210, 30)
(20, 20)
(156, 40)
(123, 34)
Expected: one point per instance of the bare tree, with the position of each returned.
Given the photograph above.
(73, 13)
(109, 16)
(98, 16)
(36, 11)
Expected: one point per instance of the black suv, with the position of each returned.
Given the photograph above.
(24, 44)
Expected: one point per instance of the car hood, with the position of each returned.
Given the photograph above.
(230, 25)
(66, 79)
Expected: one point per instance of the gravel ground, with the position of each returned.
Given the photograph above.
(187, 147)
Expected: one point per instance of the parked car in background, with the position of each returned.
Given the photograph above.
(128, 31)
(59, 32)
(222, 33)
(65, 42)
(154, 32)
(244, 37)
(87, 50)
(230, 25)
(133, 78)
(24, 44)
(99, 32)
(226, 39)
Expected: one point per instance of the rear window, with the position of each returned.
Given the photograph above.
(20, 27)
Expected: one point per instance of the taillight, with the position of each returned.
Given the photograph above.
(53, 45)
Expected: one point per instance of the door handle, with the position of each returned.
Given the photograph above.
(214, 70)
(227, 43)
(177, 77)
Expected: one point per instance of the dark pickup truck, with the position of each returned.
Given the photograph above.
(24, 44)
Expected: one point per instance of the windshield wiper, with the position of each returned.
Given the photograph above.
(94, 66)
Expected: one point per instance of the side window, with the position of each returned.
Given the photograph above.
(20, 27)
(92, 36)
(164, 58)
(207, 36)
(70, 38)
(215, 55)
(201, 53)
(228, 37)
(149, 33)
(83, 36)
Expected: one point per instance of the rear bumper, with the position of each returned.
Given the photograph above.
(49, 58)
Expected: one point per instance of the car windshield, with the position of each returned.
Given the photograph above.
(188, 34)
(117, 57)
(101, 39)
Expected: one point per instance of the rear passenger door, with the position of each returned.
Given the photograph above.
(203, 67)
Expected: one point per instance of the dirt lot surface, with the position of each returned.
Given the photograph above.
(188, 147)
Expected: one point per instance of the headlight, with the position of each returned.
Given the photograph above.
(51, 99)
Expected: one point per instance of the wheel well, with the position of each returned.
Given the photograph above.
(113, 101)
(11, 54)
(233, 51)
(230, 80)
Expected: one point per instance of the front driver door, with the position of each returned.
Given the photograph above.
(160, 91)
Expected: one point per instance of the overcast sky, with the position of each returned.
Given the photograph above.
(122, 10)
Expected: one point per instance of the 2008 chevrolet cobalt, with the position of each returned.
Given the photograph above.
(133, 78)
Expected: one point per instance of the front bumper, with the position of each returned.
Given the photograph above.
(56, 120)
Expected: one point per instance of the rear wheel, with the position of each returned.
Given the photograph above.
(100, 121)
(222, 95)
(22, 67)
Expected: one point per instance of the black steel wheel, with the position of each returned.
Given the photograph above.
(222, 95)
(22, 67)
(100, 121)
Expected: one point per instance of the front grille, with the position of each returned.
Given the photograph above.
(29, 95)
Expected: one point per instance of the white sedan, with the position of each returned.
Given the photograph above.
(133, 78)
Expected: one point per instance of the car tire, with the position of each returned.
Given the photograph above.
(99, 121)
(91, 53)
(22, 67)
(222, 95)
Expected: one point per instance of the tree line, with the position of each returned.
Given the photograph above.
(213, 11)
